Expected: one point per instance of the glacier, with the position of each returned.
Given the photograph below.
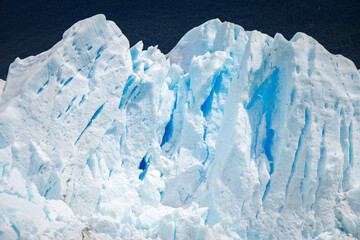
(232, 135)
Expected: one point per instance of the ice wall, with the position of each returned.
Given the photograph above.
(232, 135)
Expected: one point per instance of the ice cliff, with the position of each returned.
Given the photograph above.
(231, 135)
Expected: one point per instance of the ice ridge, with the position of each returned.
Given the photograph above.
(232, 135)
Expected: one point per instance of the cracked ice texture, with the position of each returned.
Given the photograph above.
(231, 135)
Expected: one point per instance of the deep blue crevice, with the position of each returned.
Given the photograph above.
(129, 81)
(124, 99)
(134, 89)
(97, 112)
(144, 165)
(267, 189)
(267, 147)
(205, 131)
(269, 101)
(82, 99)
(207, 105)
(46, 83)
(68, 81)
(169, 129)
(68, 108)
(267, 94)
(98, 54)
(40, 90)
(47, 191)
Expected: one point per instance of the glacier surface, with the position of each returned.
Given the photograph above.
(232, 135)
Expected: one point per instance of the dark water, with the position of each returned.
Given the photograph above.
(30, 27)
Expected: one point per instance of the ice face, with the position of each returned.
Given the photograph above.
(232, 135)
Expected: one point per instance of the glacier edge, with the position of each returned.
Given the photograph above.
(231, 135)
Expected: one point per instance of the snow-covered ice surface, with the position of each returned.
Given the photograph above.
(232, 135)
(2, 84)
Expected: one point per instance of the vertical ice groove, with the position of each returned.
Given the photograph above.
(300, 146)
(305, 180)
(126, 96)
(344, 142)
(321, 166)
(94, 64)
(268, 145)
(266, 94)
(350, 145)
(269, 102)
(311, 60)
(128, 83)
